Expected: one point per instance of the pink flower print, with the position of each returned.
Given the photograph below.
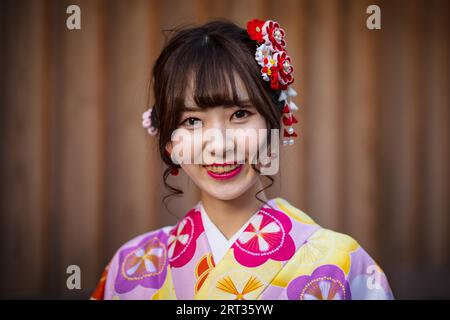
(266, 237)
(183, 238)
(144, 264)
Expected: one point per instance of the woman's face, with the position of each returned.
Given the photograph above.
(215, 174)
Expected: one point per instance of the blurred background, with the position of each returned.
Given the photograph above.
(80, 176)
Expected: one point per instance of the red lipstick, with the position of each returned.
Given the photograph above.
(224, 175)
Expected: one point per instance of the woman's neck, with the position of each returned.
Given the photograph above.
(230, 215)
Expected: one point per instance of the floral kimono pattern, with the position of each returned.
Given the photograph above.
(281, 254)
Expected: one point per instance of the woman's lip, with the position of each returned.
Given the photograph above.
(225, 175)
(221, 164)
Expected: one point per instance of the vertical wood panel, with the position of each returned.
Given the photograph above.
(402, 151)
(322, 133)
(390, 115)
(415, 103)
(217, 9)
(404, 110)
(23, 148)
(387, 116)
(243, 11)
(78, 142)
(361, 126)
(293, 162)
(437, 80)
(131, 188)
(179, 12)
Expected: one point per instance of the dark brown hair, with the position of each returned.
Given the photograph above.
(208, 55)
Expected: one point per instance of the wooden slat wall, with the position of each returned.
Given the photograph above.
(437, 155)
(130, 189)
(292, 183)
(80, 176)
(78, 141)
(24, 113)
(359, 122)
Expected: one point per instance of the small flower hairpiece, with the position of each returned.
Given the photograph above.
(276, 67)
(147, 122)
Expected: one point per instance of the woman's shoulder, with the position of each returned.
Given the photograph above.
(338, 240)
(340, 245)
(159, 235)
(154, 241)
(336, 255)
(318, 232)
(339, 252)
(341, 240)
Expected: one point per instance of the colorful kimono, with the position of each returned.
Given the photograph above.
(280, 253)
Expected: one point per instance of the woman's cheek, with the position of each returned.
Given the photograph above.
(187, 146)
(252, 143)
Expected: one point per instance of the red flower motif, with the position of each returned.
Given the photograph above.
(254, 29)
(285, 68)
(274, 82)
(271, 73)
(271, 54)
(275, 35)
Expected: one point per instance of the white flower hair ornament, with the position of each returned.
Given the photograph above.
(147, 122)
(276, 67)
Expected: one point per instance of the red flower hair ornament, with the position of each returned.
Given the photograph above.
(276, 68)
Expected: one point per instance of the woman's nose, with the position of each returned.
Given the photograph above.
(218, 141)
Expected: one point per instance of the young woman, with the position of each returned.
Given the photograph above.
(235, 243)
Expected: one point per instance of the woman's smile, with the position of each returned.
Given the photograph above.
(223, 171)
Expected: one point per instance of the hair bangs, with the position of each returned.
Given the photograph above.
(215, 82)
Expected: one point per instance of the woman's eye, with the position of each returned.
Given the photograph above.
(192, 123)
(241, 114)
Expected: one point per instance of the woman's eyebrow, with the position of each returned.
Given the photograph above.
(191, 108)
(239, 103)
(242, 104)
(245, 103)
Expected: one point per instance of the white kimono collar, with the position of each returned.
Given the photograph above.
(217, 241)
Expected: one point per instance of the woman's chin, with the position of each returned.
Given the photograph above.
(229, 189)
(226, 193)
